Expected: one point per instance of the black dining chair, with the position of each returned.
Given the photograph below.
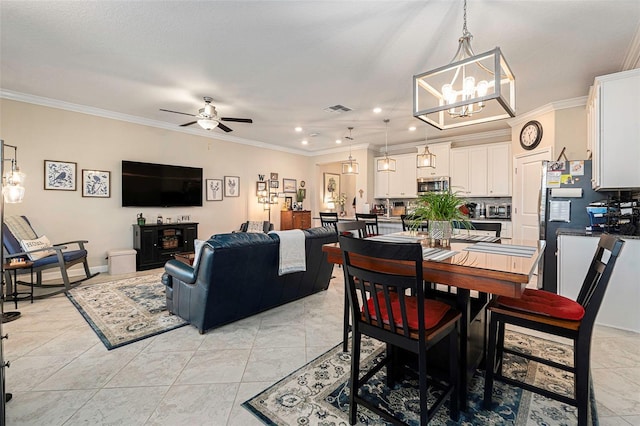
(550, 313)
(372, 223)
(357, 229)
(391, 308)
(408, 223)
(495, 227)
(329, 219)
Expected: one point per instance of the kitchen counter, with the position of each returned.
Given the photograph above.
(584, 233)
(396, 219)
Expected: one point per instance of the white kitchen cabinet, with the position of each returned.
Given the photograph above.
(469, 171)
(499, 170)
(613, 133)
(482, 170)
(398, 184)
(441, 151)
(620, 305)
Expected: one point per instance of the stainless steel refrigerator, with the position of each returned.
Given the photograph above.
(561, 183)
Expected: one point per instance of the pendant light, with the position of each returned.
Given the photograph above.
(386, 164)
(350, 167)
(471, 89)
(426, 159)
(13, 179)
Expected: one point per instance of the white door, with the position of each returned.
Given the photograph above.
(527, 177)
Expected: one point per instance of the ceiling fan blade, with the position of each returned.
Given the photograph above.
(223, 127)
(237, 120)
(177, 112)
(188, 124)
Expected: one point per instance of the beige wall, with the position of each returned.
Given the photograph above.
(43, 133)
(560, 128)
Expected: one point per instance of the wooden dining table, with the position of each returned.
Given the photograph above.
(471, 271)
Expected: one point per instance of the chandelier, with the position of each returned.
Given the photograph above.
(427, 158)
(471, 89)
(386, 164)
(350, 167)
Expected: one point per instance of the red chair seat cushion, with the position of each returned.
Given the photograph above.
(434, 310)
(545, 303)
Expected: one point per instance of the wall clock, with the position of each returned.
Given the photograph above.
(531, 135)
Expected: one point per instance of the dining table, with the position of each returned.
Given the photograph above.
(467, 272)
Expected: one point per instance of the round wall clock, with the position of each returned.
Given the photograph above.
(531, 135)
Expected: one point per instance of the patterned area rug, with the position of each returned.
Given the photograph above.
(125, 311)
(318, 393)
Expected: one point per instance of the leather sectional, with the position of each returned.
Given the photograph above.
(237, 277)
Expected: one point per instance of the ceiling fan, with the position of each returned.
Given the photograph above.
(207, 117)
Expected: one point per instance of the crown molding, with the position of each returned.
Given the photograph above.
(83, 109)
(550, 107)
(632, 58)
(471, 137)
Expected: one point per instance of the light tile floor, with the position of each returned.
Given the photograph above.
(61, 374)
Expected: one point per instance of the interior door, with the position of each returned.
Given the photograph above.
(527, 178)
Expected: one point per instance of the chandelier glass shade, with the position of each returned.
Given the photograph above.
(208, 123)
(351, 166)
(386, 164)
(471, 89)
(13, 179)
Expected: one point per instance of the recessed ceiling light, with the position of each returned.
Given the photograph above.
(412, 128)
(305, 142)
(338, 141)
(298, 129)
(377, 110)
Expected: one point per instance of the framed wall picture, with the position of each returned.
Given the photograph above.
(60, 175)
(288, 202)
(260, 186)
(96, 183)
(289, 185)
(331, 187)
(231, 186)
(274, 184)
(273, 176)
(214, 189)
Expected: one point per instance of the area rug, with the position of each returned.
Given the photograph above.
(318, 393)
(125, 311)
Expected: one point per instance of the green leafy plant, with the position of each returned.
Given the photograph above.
(440, 206)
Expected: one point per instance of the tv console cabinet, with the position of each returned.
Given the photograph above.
(156, 244)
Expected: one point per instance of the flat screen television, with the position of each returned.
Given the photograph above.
(160, 185)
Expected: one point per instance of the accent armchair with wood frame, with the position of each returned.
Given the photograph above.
(18, 228)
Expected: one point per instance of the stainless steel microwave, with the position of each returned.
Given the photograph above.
(433, 184)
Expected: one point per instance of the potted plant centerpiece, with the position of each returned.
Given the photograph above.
(440, 209)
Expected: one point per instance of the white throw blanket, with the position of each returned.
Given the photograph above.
(292, 251)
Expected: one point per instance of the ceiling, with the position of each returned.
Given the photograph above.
(282, 63)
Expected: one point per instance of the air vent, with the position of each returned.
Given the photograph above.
(337, 108)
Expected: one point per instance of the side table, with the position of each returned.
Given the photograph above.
(186, 257)
(12, 285)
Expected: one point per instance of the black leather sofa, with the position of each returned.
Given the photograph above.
(237, 276)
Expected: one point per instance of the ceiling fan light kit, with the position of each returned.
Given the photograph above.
(208, 124)
(471, 89)
(207, 117)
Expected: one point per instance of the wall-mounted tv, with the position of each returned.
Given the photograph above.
(160, 185)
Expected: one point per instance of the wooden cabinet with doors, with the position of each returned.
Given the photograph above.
(469, 171)
(482, 170)
(156, 244)
(613, 133)
(292, 219)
